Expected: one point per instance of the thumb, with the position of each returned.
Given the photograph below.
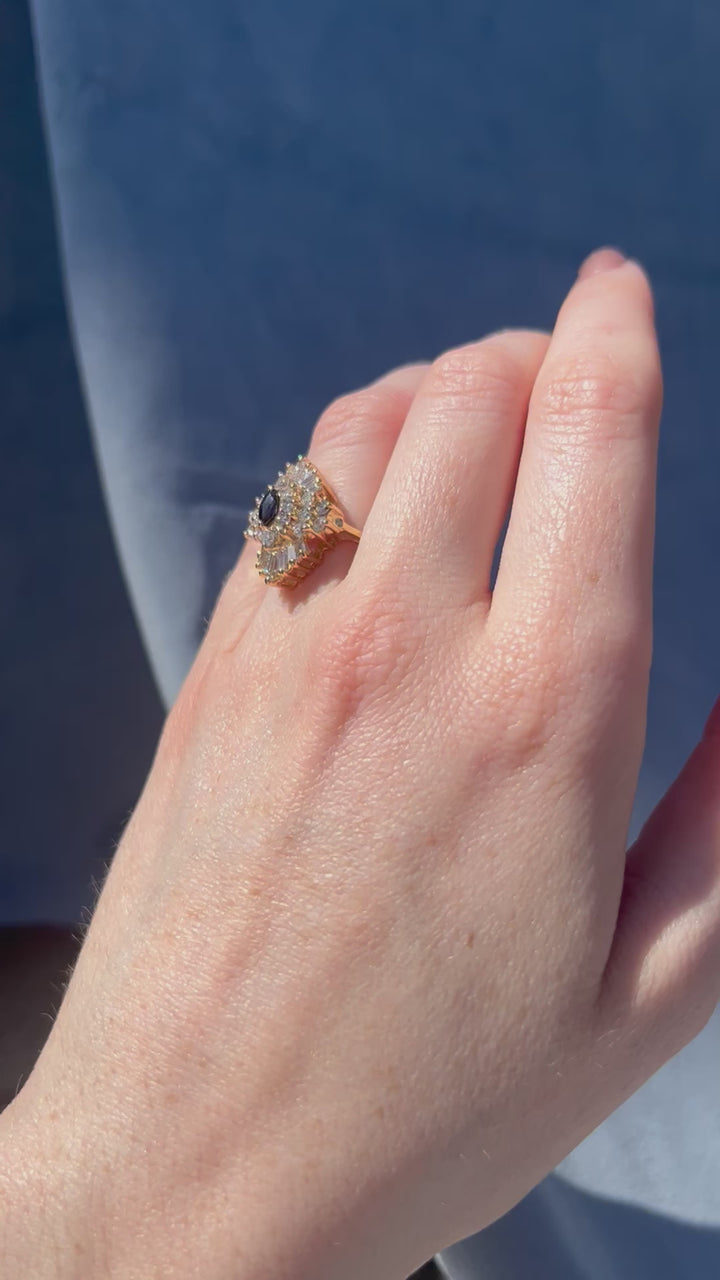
(665, 958)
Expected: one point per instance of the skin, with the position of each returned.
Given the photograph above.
(371, 958)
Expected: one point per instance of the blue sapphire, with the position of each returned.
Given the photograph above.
(269, 506)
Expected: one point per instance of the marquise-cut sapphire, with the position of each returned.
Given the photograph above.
(269, 506)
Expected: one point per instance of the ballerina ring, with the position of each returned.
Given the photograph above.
(296, 520)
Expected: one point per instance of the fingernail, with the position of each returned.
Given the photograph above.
(600, 261)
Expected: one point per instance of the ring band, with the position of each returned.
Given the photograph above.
(296, 520)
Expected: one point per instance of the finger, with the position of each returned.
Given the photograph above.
(444, 495)
(579, 542)
(355, 436)
(664, 965)
(351, 445)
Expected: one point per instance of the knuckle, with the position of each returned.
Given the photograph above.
(480, 371)
(370, 644)
(538, 677)
(674, 1014)
(616, 645)
(527, 686)
(352, 417)
(527, 729)
(687, 993)
(596, 388)
(551, 671)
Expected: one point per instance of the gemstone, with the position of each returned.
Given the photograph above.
(269, 506)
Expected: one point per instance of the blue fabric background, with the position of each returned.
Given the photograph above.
(78, 710)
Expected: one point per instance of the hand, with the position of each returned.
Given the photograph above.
(369, 960)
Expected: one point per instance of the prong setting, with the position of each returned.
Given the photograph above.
(295, 520)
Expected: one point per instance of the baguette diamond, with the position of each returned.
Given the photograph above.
(295, 520)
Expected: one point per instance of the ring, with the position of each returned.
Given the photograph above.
(296, 520)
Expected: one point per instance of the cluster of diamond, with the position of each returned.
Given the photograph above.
(286, 516)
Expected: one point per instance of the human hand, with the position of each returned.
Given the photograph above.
(369, 960)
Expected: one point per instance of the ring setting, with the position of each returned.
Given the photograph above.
(296, 520)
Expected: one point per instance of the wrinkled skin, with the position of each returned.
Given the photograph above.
(370, 959)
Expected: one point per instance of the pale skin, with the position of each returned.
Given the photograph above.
(371, 958)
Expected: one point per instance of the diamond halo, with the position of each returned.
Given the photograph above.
(296, 536)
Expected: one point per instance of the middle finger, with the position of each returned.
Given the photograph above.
(441, 505)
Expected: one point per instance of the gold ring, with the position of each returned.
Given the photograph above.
(296, 520)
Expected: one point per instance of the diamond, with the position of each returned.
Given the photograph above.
(290, 521)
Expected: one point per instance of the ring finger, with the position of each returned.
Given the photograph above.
(351, 444)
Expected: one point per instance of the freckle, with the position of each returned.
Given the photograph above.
(470, 940)
(380, 1112)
